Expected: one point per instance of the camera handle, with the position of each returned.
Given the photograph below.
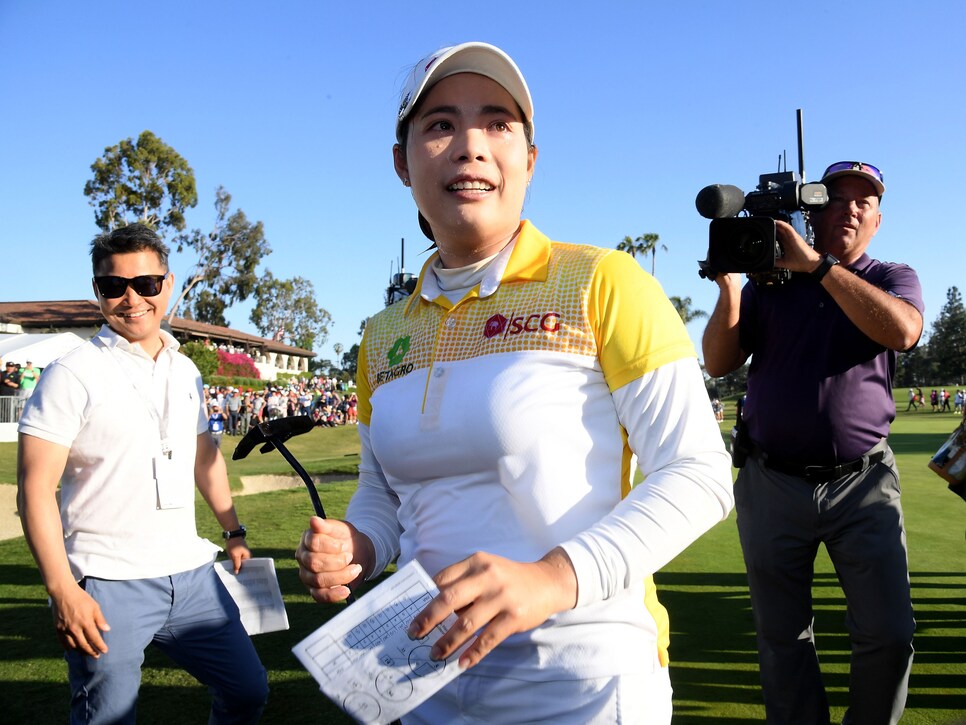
(705, 271)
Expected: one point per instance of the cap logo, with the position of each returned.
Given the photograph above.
(404, 104)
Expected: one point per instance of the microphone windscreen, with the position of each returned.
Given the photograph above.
(719, 201)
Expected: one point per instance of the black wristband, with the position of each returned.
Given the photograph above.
(239, 532)
(827, 262)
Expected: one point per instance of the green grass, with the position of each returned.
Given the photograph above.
(713, 663)
(322, 451)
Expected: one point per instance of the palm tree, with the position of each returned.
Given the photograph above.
(644, 244)
(683, 306)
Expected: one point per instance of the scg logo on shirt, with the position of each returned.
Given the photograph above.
(500, 325)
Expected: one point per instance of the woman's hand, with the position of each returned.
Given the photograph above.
(333, 555)
(495, 597)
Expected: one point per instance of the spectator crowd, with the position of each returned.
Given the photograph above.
(17, 383)
(940, 401)
(232, 411)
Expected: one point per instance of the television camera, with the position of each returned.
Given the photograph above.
(742, 234)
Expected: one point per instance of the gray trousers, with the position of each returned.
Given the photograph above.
(781, 522)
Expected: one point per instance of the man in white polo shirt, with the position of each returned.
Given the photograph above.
(119, 423)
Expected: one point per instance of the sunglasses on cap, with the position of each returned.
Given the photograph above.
(854, 166)
(147, 285)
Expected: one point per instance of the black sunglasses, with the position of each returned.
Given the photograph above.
(147, 285)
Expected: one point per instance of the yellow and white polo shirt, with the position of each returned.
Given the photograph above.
(506, 423)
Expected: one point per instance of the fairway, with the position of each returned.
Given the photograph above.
(713, 662)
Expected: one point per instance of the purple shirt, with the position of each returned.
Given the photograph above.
(819, 391)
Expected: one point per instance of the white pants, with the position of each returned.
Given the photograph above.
(475, 699)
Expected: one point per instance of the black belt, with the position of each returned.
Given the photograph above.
(818, 474)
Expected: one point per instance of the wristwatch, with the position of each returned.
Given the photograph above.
(240, 531)
(827, 262)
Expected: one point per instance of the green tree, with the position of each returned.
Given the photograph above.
(683, 306)
(734, 383)
(287, 310)
(144, 180)
(643, 245)
(204, 358)
(915, 368)
(206, 307)
(227, 258)
(350, 361)
(947, 343)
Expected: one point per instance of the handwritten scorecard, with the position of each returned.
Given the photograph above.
(364, 660)
(256, 592)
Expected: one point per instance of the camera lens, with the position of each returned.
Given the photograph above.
(747, 248)
(745, 244)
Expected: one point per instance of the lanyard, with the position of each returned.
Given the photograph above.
(162, 418)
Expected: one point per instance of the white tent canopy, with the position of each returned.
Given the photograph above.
(41, 348)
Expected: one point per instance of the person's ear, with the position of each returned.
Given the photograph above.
(400, 163)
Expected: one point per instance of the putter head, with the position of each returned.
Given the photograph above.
(268, 431)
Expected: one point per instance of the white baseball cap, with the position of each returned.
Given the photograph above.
(480, 58)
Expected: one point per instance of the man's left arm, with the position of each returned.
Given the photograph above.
(884, 318)
(211, 477)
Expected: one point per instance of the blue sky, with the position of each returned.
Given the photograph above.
(290, 106)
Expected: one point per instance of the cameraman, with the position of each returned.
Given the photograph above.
(823, 354)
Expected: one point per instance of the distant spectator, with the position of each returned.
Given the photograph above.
(913, 400)
(233, 402)
(305, 403)
(245, 413)
(9, 389)
(28, 380)
(718, 407)
(275, 405)
(351, 416)
(10, 379)
(216, 424)
(258, 406)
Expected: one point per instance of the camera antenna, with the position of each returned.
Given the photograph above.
(801, 147)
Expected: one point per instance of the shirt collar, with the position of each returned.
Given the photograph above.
(527, 259)
(111, 340)
(861, 264)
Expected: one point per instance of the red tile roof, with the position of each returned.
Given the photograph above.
(52, 314)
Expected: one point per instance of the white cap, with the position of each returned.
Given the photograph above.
(480, 58)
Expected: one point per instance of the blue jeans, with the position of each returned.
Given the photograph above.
(189, 616)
